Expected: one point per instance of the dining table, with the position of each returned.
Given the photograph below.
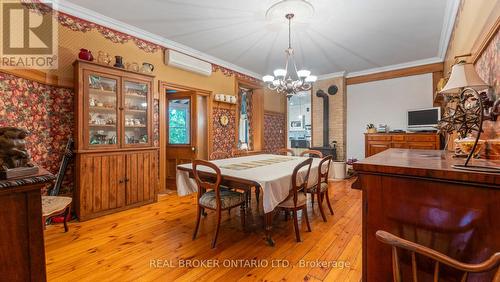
(272, 174)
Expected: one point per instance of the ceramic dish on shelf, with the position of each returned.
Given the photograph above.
(466, 145)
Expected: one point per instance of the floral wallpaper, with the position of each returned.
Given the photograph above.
(488, 68)
(274, 131)
(156, 123)
(224, 136)
(488, 65)
(46, 112)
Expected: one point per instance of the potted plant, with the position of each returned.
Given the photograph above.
(370, 128)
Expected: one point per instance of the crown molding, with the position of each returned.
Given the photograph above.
(396, 67)
(92, 16)
(450, 15)
(332, 75)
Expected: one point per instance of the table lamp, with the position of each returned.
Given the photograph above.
(468, 114)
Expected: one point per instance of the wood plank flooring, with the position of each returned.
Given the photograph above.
(153, 243)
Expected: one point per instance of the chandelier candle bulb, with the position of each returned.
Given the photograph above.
(311, 78)
(280, 73)
(303, 73)
(268, 78)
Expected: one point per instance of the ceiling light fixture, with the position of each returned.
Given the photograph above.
(286, 81)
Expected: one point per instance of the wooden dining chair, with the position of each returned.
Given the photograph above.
(217, 155)
(438, 258)
(297, 197)
(311, 153)
(212, 197)
(321, 187)
(286, 152)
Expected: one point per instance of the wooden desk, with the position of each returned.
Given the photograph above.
(22, 252)
(417, 195)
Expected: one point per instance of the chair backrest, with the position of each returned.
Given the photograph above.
(217, 155)
(399, 243)
(207, 183)
(285, 151)
(296, 187)
(312, 153)
(323, 174)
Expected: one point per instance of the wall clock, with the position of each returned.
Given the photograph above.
(224, 120)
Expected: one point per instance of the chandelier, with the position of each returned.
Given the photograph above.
(289, 81)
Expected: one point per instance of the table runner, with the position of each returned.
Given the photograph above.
(272, 172)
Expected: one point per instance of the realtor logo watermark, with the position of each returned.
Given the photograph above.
(29, 37)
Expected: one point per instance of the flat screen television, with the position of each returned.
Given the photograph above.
(423, 119)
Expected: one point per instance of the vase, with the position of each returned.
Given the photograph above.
(147, 67)
(85, 55)
(119, 62)
(372, 130)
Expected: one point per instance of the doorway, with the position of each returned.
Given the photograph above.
(184, 115)
(299, 122)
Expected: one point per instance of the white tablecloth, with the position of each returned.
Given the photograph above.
(275, 179)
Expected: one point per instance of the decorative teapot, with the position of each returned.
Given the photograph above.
(147, 67)
(103, 58)
(133, 67)
(85, 55)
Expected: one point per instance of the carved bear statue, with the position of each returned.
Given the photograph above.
(13, 151)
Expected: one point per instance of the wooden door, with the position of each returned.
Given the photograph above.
(181, 123)
(141, 177)
(101, 184)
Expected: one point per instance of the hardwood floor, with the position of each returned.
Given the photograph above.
(150, 242)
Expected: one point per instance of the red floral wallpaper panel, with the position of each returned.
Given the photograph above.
(488, 65)
(274, 131)
(46, 112)
(224, 136)
(488, 68)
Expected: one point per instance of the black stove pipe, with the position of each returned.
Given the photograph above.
(326, 115)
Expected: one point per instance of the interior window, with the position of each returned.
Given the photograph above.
(179, 132)
(244, 124)
(299, 121)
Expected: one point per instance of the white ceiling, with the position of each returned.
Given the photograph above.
(343, 35)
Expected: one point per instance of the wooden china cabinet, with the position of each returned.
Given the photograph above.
(116, 161)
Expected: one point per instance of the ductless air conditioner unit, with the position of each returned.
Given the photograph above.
(188, 63)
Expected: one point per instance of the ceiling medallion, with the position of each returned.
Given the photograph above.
(290, 81)
(302, 9)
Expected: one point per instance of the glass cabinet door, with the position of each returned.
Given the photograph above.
(136, 98)
(102, 101)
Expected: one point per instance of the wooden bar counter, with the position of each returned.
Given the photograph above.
(417, 195)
